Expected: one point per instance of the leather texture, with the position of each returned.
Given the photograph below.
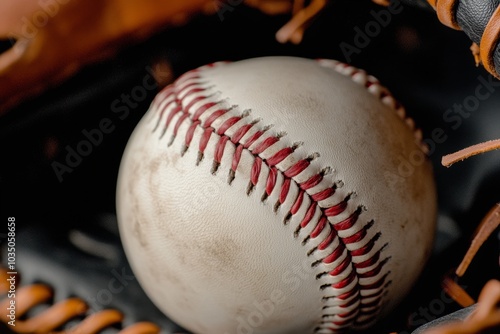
(210, 253)
(472, 17)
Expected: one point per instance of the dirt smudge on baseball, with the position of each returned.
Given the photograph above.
(220, 255)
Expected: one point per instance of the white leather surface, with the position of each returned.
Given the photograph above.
(208, 254)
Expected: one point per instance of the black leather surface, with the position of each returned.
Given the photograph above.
(425, 64)
(472, 16)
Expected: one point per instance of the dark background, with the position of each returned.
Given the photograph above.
(67, 235)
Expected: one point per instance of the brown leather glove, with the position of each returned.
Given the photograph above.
(54, 38)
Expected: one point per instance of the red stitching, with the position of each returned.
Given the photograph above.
(190, 133)
(351, 301)
(240, 133)
(256, 167)
(319, 228)
(313, 180)
(323, 245)
(285, 188)
(202, 109)
(171, 115)
(370, 262)
(309, 215)
(324, 194)
(265, 145)
(346, 281)
(253, 138)
(348, 314)
(193, 102)
(190, 87)
(335, 254)
(341, 267)
(204, 139)
(347, 295)
(279, 156)
(179, 122)
(358, 236)
(216, 114)
(375, 285)
(348, 222)
(271, 180)
(227, 124)
(336, 209)
(219, 148)
(236, 157)
(298, 203)
(298, 168)
(373, 272)
(367, 248)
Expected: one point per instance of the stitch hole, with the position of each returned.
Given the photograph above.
(323, 322)
(215, 167)
(324, 286)
(296, 232)
(264, 197)
(360, 209)
(339, 184)
(156, 126)
(281, 134)
(384, 247)
(304, 242)
(184, 150)
(250, 188)
(316, 263)
(255, 121)
(276, 206)
(313, 156)
(199, 158)
(287, 218)
(163, 131)
(384, 261)
(267, 128)
(327, 315)
(311, 251)
(230, 108)
(296, 145)
(209, 87)
(369, 225)
(377, 236)
(327, 170)
(246, 113)
(231, 176)
(318, 276)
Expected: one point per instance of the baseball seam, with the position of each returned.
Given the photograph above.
(344, 250)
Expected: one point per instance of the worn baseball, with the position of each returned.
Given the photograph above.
(276, 195)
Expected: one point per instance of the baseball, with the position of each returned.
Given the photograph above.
(276, 195)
